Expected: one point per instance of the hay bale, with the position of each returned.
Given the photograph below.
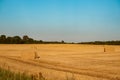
(109, 49)
(28, 54)
(36, 55)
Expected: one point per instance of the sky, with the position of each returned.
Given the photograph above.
(56, 20)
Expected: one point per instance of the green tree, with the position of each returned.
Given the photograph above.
(17, 39)
(30, 40)
(25, 38)
(9, 40)
(2, 38)
(62, 41)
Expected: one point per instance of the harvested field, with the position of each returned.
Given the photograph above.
(61, 61)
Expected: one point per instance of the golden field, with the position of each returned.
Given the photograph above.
(63, 61)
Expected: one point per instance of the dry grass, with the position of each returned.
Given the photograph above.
(86, 62)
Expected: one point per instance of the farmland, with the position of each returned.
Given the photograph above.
(63, 61)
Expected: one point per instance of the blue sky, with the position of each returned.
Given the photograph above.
(69, 20)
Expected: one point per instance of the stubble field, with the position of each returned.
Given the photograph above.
(63, 61)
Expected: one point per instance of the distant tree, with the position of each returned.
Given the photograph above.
(25, 37)
(41, 41)
(72, 43)
(30, 40)
(2, 38)
(9, 40)
(27, 40)
(17, 39)
(62, 41)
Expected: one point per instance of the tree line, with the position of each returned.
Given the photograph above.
(27, 40)
(24, 40)
(102, 42)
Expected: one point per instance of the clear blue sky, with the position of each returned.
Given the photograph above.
(69, 20)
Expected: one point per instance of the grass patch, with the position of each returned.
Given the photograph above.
(9, 75)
